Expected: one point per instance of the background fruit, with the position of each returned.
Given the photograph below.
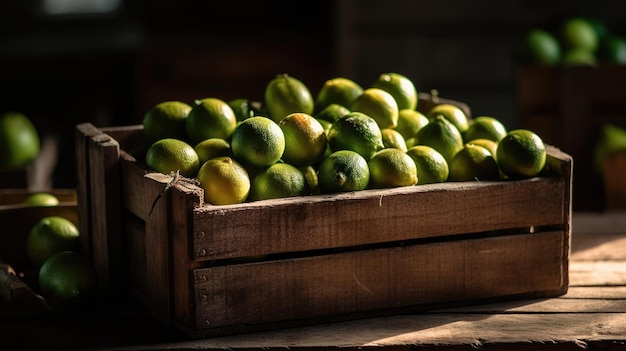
(285, 95)
(67, 275)
(224, 180)
(305, 139)
(48, 236)
(391, 168)
(171, 155)
(430, 165)
(578, 33)
(19, 141)
(244, 108)
(538, 46)
(41, 199)
(278, 181)
(611, 138)
(166, 120)
(379, 105)
(210, 118)
(258, 141)
(342, 171)
(521, 154)
(357, 132)
(400, 87)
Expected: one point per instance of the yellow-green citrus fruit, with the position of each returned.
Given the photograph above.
(258, 141)
(211, 148)
(332, 112)
(172, 155)
(431, 166)
(452, 113)
(521, 154)
(244, 108)
(19, 141)
(393, 139)
(210, 118)
(357, 132)
(285, 95)
(613, 50)
(490, 145)
(611, 138)
(410, 122)
(279, 180)
(343, 171)
(166, 119)
(441, 135)
(391, 168)
(379, 105)
(305, 139)
(400, 87)
(50, 235)
(540, 47)
(310, 174)
(578, 33)
(340, 90)
(41, 199)
(484, 127)
(473, 162)
(67, 275)
(224, 180)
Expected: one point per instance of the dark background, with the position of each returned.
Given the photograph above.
(109, 68)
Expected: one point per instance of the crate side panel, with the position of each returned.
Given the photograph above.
(370, 280)
(366, 217)
(133, 184)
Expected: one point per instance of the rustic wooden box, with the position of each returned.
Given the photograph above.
(567, 106)
(217, 270)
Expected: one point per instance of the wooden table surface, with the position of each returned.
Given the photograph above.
(591, 316)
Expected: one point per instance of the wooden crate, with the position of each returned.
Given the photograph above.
(567, 106)
(218, 270)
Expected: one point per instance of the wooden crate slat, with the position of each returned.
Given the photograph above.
(329, 285)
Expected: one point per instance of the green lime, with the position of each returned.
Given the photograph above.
(285, 95)
(431, 166)
(210, 118)
(393, 139)
(258, 141)
(342, 171)
(172, 155)
(400, 87)
(539, 46)
(521, 154)
(391, 168)
(19, 141)
(50, 235)
(166, 120)
(67, 275)
(305, 139)
(484, 127)
(244, 108)
(379, 105)
(340, 91)
(211, 148)
(473, 162)
(224, 180)
(441, 135)
(279, 180)
(332, 112)
(41, 199)
(410, 122)
(452, 113)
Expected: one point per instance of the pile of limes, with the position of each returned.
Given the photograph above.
(347, 137)
(574, 41)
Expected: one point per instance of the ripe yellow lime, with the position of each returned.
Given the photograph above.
(332, 112)
(50, 235)
(258, 141)
(490, 145)
(166, 119)
(340, 90)
(343, 171)
(484, 127)
(67, 275)
(357, 132)
(305, 139)
(210, 118)
(224, 180)
(211, 148)
(410, 122)
(278, 181)
(285, 95)
(391, 168)
(441, 135)
(400, 87)
(41, 199)
(171, 155)
(393, 139)
(452, 113)
(244, 108)
(473, 162)
(430, 164)
(521, 154)
(19, 141)
(379, 105)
